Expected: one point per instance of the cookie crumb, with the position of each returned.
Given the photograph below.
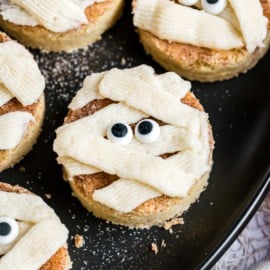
(22, 169)
(163, 244)
(78, 241)
(168, 225)
(154, 248)
(48, 196)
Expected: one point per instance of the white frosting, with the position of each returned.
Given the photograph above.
(139, 162)
(57, 16)
(183, 24)
(169, 81)
(19, 73)
(252, 22)
(37, 246)
(41, 233)
(5, 95)
(13, 126)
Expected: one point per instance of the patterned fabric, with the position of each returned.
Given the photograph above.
(252, 246)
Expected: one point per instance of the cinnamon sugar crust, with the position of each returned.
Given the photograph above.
(60, 260)
(151, 212)
(203, 64)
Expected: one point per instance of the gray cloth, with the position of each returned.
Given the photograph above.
(252, 246)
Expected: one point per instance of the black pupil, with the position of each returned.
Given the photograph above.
(119, 130)
(145, 127)
(212, 1)
(5, 229)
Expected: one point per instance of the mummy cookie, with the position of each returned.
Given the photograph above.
(22, 103)
(204, 40)
(62, 25)
(136, 147)
(31, 235)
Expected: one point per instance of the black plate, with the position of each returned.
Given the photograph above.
(239, 112)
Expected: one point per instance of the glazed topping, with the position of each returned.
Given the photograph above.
(214, 6)
(20, 76)
(8, 230)
(147, 131)
(37, 242)
(57, 16)
(120, 133)
(140, 169)
(209, 27)
(188, 2)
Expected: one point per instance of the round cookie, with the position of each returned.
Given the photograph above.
(100, 17)
(86, 181)
(60, 259)
(201, 63)
(8, 157)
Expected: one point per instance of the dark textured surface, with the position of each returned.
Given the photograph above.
(239, 112)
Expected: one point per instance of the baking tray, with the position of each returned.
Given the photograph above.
(239, 112)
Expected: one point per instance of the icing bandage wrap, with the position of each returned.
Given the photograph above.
(13, 126)
(19, 73)
(41, 233)
(82, 146)
(178, 23)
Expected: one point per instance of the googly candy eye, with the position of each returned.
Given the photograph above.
(120, 133)
(214, 6)
(147, 131)
(9, 230)
(188, 2)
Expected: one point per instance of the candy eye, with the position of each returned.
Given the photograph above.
(214, 6)
(147, 131)
(120, 133)
(188, 2)
(9, 230)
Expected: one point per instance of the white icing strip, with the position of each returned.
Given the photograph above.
(57, 16)
(23, 228)
(171, 140)
(12, 127)
(120, 86)
(73, 167)
(169, 81)
(125, 195)
(175, 22)
(228, 14)
(252, 22)
(5, 95)
(20, 73)
(15, 14)
(130, 164)
(36, 247)
(88, 92)
(26, 207)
